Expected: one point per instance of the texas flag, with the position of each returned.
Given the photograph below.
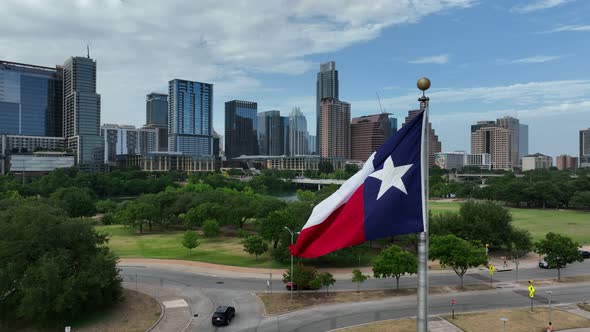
(385, 198)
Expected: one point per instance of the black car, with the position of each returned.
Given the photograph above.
(223, 315)
(585, 254)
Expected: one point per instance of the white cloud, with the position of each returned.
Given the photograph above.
(570, 28)
(537, 59)
(539, 5)
(140, 45)
(520, 94)
(433, 59)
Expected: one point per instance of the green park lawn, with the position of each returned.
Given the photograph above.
(574, 224)
(126, 242)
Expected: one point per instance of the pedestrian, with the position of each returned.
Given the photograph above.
(549, 327)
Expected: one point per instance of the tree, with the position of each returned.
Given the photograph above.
(302, 276)
(456, 253)
(210, 228)
(197, 215)
(105, 206)
(255, 245)
(558, 250)
(581, 199)
(53, 268)
(394, 262)
(77, 202)
(190, 240)
(137, 214)
(359, 278)
(323, 279)
(325, 167)
(272, 228)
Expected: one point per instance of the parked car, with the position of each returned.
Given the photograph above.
(585, 254)
(544, 265)
(223, 315)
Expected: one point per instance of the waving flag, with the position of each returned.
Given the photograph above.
(385, 198)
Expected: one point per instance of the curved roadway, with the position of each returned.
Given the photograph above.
(204, 292)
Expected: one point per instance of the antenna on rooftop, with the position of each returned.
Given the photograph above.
(87, 51)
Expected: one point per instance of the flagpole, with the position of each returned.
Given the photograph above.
(422, 321)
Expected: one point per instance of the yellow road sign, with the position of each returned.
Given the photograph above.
(492, 269)
(531, 291)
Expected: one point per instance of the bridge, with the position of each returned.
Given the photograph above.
(317, 182)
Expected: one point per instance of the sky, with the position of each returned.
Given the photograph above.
(486, 58)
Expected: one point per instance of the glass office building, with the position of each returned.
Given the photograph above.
(30, 100)
(81, 123)
(241, 128)
(190, 116)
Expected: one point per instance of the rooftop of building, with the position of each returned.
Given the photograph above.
(536, 155)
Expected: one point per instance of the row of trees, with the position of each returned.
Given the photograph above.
(538, 188)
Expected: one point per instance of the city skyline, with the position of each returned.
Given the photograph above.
(529, 70)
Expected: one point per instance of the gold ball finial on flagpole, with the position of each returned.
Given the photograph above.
(423, 84)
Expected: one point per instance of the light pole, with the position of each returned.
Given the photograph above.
(291, 232)
(504, 320)
(549, 293)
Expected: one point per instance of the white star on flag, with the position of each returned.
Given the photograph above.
(391, 176)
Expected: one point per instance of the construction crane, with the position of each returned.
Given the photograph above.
(379, 100)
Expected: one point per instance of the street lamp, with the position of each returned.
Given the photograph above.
(549, 293)
(291, 232)
(504, 320)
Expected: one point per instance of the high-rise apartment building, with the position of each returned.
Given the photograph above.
(156, 114)
(513, 126)
(241, 128)
(271, 133)
(393, 121)
(434, 144)
(298, 135)
(190, 117)
(487, 138)
(81, 110)
(536, 161)
(127, 140)
(523, 141)
(335, 129)
(217, 144)
(326, 87)
(502, 139)
(367, 133)
(585, 148)
(30, 100)
(564, 162)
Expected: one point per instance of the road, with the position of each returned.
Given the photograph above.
(204, 293)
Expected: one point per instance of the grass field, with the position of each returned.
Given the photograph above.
(574, 224)
(127, 243)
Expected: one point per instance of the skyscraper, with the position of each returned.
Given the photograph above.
(271, 133)
(487, 137)
(367, 133)
(434, 145)
(30, 99)
(311, 139)
(241, 128)
(81, 110)
(298, 135)
(156, 114)
(127, 140)
(585, 148)
(326, 87)
(335, 129)
(190, 116)
(513, 126)
(501, 139)
(523, 141)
